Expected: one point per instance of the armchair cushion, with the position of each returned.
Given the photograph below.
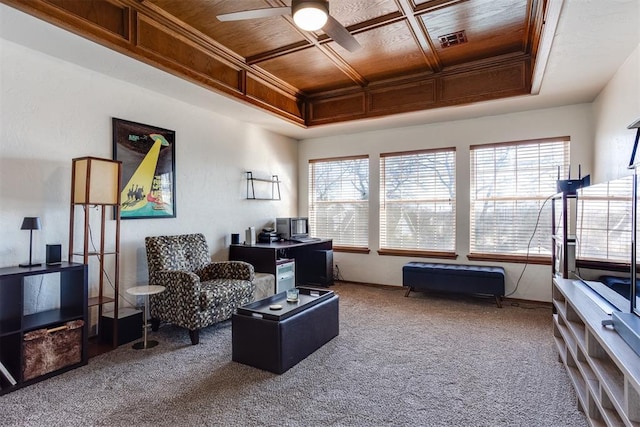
(187, 252)
(238, 270)
(216, 293)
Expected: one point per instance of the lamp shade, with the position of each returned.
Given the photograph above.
(30, 223)
(96, 180)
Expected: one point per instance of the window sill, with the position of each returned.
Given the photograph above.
(602, 265)
(351, 249)
(417, 253)
(516, 259)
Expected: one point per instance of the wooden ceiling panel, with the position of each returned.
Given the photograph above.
(353, 12)
(307, 78)
(309, 70)
(246, 38)
(491, 27)
(386, 51)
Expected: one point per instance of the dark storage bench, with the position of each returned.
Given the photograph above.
(468, 279)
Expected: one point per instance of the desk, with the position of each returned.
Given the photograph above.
(314, 260)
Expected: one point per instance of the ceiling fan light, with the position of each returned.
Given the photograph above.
(310, 15)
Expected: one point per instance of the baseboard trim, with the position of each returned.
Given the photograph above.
(512, 301)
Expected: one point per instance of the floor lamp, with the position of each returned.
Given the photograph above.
(30, 223)
(95, 182)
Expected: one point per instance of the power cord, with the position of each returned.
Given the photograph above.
(336, 274)
(39, 292)
(526, 261)
(105, 272)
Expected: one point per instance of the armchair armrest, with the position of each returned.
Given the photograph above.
(238, 270)
(182, 287)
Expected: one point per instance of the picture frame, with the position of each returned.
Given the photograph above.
(147, 154)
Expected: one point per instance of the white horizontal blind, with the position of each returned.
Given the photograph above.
(339, 200)
(418, 200)
(511, 184)
(603, 231)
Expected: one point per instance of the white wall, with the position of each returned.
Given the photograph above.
(53, 111)
(615, 108)
(574, 121)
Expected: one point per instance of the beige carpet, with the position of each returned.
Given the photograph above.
(426, 360)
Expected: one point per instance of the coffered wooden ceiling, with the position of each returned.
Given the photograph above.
(415, 55)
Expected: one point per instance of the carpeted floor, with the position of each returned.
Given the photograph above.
(426, 360)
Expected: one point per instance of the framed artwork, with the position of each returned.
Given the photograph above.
(147, 154)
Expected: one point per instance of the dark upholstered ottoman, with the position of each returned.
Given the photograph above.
(468, 279)
(277, 340)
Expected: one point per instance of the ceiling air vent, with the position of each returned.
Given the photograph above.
(453, 39)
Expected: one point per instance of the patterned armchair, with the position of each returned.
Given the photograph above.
(198, 292)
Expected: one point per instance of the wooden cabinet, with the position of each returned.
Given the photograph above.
(604, 370)
(14, 323)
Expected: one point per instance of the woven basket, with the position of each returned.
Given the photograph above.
(47, 350)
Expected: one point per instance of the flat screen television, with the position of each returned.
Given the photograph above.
(603, 239)
(607, 254)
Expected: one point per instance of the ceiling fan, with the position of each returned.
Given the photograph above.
(308, 15)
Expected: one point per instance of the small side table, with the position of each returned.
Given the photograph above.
(145, 291)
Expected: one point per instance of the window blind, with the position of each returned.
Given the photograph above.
(418, 200)
(339, 200)
(510, 186)
(604, 221)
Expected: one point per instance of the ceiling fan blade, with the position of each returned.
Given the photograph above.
(256, 13)
(340, 35)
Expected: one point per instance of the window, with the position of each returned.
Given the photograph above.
(418, 202)
(511, 184)
(339, 201)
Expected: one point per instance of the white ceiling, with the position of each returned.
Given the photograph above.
(592, 39)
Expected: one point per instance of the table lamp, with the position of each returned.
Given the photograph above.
(30, 223)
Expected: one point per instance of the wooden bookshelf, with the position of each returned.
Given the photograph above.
(604, 370)
(14, 323)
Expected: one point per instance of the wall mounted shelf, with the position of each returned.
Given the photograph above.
(251, 187)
